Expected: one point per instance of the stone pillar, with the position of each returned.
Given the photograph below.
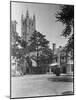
(59, 59)
(69, 66)
(50, 70)
(54, 48)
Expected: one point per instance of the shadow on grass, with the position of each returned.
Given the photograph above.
(68, 93)
(61, 79)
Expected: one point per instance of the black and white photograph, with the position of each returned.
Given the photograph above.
(41, 49)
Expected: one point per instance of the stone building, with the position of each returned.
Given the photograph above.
(62, 59)
(28, 26)
(13, 32)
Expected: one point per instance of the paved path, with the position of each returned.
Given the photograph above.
(38, 85)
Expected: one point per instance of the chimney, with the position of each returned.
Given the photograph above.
(60, 48)
(54, 47)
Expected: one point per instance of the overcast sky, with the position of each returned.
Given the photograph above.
(45, 20)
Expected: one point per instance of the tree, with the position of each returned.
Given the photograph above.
(66, 16)
(38, 43)
(18, 51)
(18, 46)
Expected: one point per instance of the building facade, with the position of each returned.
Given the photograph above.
(62, 59)
(13, 32)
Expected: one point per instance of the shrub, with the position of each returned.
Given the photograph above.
(57, 71)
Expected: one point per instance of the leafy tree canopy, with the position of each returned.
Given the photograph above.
(38, 41)
(66, 16)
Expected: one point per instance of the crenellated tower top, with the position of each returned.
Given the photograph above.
(28, 26)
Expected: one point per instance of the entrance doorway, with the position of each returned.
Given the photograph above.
(64, 70)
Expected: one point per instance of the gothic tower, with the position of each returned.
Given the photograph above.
(28, 26)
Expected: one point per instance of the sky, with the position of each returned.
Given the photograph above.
(45, 20)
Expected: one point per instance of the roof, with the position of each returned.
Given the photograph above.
(34, 64)
(53, 64)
